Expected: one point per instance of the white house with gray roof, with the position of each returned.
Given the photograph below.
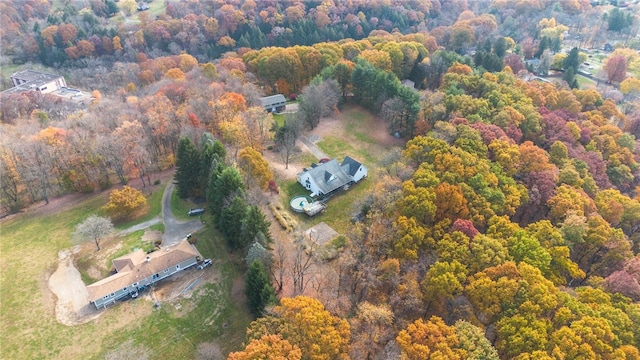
(331, 176)
(137, 270)
(32, 80)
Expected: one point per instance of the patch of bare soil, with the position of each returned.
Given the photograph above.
(72, 304)
(151, 236)
(209, 351)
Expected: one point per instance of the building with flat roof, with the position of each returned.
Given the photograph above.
(32, 80)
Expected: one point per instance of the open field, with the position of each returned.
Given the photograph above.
(156, 7)
(214, 315)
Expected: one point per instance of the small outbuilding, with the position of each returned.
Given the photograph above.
(274, 103)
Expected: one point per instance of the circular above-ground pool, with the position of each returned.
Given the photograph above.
(299, 202)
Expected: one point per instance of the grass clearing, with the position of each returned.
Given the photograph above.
(157, 7)
(585, 83)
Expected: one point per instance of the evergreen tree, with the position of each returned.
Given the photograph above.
(187, 176)
(211, 157)
(254, 223)
(500, 47)
(257, 252)
(258, 288)
(230, 222)
(542, 46)
(570, 77)
(572, 60)
(225, 184)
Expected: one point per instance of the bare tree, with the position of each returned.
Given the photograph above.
(302, 262)
(278, 268)
(317, 101)
(94, 228)
(285, 137)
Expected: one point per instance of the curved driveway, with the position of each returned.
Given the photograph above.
(175, 230)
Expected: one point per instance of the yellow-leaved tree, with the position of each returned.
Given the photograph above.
(305, 323)
(128, 202)
(268, 347)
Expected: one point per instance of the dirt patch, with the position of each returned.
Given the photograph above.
(237, 290)
(151, 236)
(209, 351)
(72, 299)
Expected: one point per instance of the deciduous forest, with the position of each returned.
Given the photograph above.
(506, 227)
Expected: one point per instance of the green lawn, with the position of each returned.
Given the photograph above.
(156, 7)
(29, 252)
(585, 83)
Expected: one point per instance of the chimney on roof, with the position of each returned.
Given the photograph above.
(148, 258)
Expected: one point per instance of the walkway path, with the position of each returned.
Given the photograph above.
(312, 148)
(141, 226)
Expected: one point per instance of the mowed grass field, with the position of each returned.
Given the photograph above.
(29, 247)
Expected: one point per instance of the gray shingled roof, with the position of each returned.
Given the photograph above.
(350, 165)
(329, 176)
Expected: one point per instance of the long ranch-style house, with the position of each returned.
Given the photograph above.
(331, 176)
(138, 270)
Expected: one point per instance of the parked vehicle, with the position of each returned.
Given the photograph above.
(205, 263)
(196, 212)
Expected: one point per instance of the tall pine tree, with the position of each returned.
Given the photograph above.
(187, 176)
(230, 222)
(253, 224)
(258, 288)
(226, 182)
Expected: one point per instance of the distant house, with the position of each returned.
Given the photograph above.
(137, 270)
(31, 80)
(608, 47)
(331, 176)
(142, 6)
(274, 103)
(408, 83)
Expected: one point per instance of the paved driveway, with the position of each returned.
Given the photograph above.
(174, 229)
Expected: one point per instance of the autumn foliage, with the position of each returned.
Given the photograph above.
(125, 203)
